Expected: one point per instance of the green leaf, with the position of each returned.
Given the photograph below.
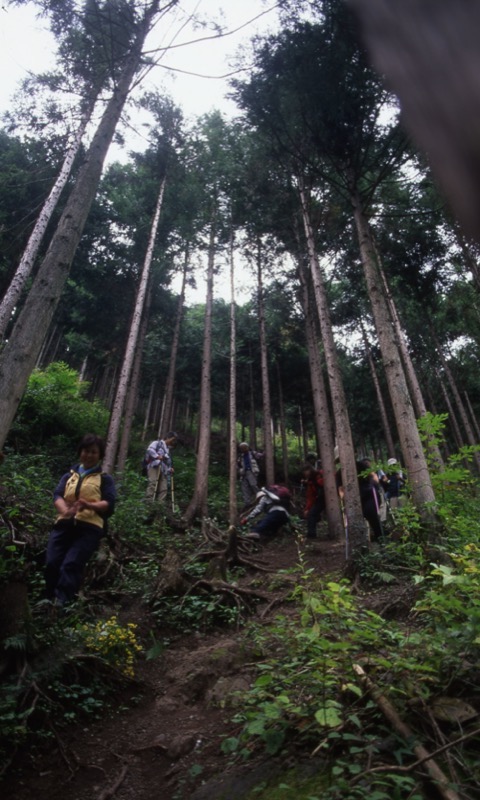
(328, 717)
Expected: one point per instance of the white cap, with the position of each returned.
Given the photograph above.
(391, 462)
(336, 453)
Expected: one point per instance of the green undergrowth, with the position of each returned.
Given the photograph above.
(72, 667)
(308, 698)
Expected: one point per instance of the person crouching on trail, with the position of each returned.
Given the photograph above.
(160, 466)
(314, 498)
(274, 503)
(248, 470)
(84, 498)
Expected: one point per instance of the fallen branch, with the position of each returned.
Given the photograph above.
(111, 790)
(419, 762)
(424, 757)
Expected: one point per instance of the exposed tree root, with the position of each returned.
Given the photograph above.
(110, 791)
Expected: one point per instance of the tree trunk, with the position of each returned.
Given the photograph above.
(123, 383)
(167, 414)
(457, 435)
(148, 411)
(198, 503)
(22, 273)
(253, 414)
(282, 425)
(353, 508)
(267, 412)
(323, 424)
(47, 343)
(381, 402)
(132, 394)
(470, 261)
(301, 436)
(83, 370)
(472, 416)
(232, 405)
(412, 450)
(458, 400)
(416, 393)
(23, 346)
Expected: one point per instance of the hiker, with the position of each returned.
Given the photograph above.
(382, 495)
(369, 487)
(159, 466)
(395, 483)
(248, 470)
(370, 498)
(314, 498)
(84, 498)
(274, 503)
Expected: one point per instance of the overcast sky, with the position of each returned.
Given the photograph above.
(26, 46)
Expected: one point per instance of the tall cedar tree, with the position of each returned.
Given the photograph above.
(20, 354)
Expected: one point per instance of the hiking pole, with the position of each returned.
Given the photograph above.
(172, 490)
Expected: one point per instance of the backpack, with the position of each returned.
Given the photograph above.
(146, 461)
(279, 493)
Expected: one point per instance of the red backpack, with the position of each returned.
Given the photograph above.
(279, 493)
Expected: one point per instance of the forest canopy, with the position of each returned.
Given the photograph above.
(278, 305)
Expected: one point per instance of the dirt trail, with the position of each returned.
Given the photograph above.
(167, 744)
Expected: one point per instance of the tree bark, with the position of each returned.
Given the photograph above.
(381, 402)
(282, 425)
(125, 373)
(412, 450)
(252, 425)
(472, 416)
(166, 422)
(353, 508)
(457, 434)
(22, 273)
(302, 450)
(198, 503)
(323, 424)
(132, 394)
(458, 400)
(416, 393)
(23, 346)
(232, 404)
(267, 411)
(148, 411)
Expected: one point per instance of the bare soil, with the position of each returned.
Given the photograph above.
(162, 737)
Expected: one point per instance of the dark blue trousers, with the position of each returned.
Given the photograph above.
(69, 549)
(271, 523)
(314, 515)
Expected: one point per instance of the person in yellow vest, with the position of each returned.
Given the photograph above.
(84, 498)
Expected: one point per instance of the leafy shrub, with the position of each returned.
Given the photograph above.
(114, 643)
(54, 410)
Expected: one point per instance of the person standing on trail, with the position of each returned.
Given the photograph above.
(160, 466)
(84, 498)
(274, 503)
(314, 498)
(248, 470)
(368, 483)
(395, 483)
